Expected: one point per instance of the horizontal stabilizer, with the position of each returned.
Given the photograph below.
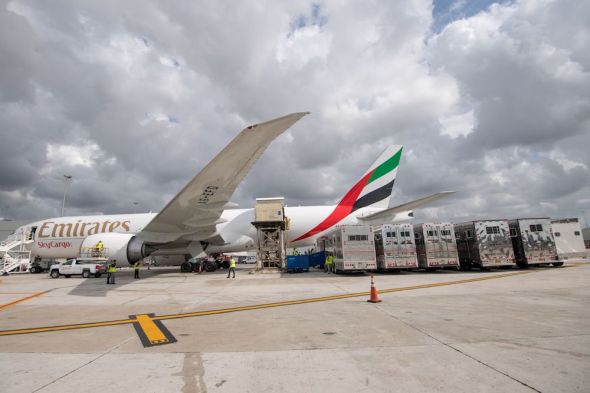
(409, 206)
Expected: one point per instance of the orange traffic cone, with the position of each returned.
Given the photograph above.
(374, 296)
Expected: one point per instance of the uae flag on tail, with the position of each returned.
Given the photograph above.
(373, 189)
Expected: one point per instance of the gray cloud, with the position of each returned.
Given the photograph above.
(133, 98)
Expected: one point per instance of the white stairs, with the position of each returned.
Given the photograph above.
(14, 258)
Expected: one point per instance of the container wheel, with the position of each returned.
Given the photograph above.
(210, 266)
(67, 275)
(186, 267)
(97, 275)
(556, 264)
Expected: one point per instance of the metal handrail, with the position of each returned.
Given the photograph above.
(93, 252)
(10, 239)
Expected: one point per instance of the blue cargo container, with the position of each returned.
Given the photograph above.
(317, 259)
(298, 263)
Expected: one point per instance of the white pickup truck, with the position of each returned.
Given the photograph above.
(83, 267)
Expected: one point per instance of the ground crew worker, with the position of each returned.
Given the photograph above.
(136, 267)
(296, 252)
(329, 268)
(99, 246)
(232, 267)
(111, 270)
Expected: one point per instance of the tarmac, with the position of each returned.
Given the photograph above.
(447, 331)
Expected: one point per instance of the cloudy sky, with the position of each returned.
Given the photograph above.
(133, 98)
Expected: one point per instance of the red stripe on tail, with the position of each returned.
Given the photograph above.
(343, 209)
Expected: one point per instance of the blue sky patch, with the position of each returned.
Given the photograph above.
(314, 18)
(447, 11)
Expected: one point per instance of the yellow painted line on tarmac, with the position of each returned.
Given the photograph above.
(328, 298)
(66, 327)
(24, 299)
(134, 319)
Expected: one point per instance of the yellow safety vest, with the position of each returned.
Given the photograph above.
(99, 246)
(329, 259)
(232, 263)
(112, 269)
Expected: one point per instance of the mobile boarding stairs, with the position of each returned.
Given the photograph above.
(14, 257)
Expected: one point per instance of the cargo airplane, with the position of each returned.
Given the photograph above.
(201, 220)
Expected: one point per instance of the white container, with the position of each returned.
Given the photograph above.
(353, 248)
(395, 247)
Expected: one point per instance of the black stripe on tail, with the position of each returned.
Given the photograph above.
(374, 196)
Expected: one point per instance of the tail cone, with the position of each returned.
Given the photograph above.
(374, 296)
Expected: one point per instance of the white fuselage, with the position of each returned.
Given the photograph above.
(62, 237)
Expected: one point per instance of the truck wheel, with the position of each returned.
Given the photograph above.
(97, 275)
(85, 274)
(210, 266)
(54, 273)
(67, 275)
(186, 267)
(556, 264)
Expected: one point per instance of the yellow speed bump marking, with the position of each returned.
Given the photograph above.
(4, 306)
(156, 319)
(151, 332)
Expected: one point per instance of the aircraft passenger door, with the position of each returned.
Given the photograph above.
(30, 235)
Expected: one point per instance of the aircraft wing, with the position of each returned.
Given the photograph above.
(390, 213)
(196, 210)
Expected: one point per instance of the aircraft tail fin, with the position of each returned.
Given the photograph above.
(373, 189)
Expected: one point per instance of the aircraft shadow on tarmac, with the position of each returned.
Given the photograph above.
(97, 287)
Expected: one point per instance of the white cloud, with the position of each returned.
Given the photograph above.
(458, 125)
(304, 45)
(135, 97)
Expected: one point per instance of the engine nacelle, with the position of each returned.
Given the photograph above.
(121, 247)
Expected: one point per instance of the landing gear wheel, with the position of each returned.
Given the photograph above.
(210, 266)
(186, 267)
(54, 274)
(85, 274)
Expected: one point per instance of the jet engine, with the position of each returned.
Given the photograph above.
(122, 247)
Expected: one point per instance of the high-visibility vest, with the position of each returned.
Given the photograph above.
(329, 259)
(232, 263)
(111, 269)
(99, 246)
(136, 266)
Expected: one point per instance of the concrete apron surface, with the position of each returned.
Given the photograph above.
(519, 333)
